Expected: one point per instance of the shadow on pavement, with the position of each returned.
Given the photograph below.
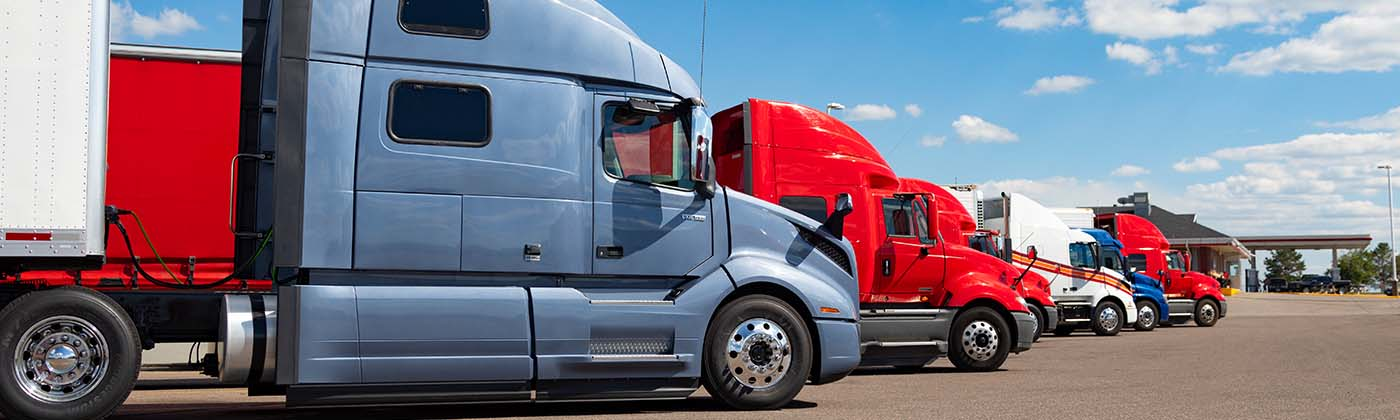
(469, 411)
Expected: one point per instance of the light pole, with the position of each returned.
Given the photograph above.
(1390, 211)
(834, 106)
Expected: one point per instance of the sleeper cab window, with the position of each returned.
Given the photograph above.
(459, 18)
(439, 114)
(813, 207)
(646, 148)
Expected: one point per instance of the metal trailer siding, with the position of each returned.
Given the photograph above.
(53, 130)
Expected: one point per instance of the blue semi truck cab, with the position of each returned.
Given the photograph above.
(1150, 300)
(462, 201)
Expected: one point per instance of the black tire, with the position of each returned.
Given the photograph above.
(721, 383)
(1106, 323)
(112, 377)
(989, 336)
(1148, 316)
(1207, 313)
(1038, 312)
(1064, 330)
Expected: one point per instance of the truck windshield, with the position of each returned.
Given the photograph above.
(1082, 255)
(1174, 261)
(652, 149)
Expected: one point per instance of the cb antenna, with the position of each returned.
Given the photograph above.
(704, 23)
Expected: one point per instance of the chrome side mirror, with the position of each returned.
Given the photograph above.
(702, 164)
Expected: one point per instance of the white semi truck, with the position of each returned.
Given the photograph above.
(1087, 293)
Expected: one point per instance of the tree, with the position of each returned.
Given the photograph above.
(1359, 266)
(1285, 263)
(1380, 256)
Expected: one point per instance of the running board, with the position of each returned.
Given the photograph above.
(632, 302)
(941, 345)
(636, 358)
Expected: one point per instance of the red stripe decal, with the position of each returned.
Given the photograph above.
(22, 236)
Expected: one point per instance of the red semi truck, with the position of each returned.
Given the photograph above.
(1190, 295)
(956, 224)
(922, 294)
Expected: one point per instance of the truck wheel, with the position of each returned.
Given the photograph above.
(1147, 316)
(1038, 312)
(72, 354)
(1207, 312)
(1108, 319)
(980, 340)
(758, 353)
(1064, 330)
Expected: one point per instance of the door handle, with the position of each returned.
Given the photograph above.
(609, 252)
(886, 267)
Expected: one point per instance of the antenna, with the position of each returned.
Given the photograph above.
(704, 24)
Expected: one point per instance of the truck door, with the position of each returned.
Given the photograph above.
(910, 262)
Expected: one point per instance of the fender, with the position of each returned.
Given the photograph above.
(972, 286)
(821, 296)
(1203, 286)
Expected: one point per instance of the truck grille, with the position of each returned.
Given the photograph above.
(833, 252)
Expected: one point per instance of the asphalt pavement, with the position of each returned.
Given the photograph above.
(1273, 357)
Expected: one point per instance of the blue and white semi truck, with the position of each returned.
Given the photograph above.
(1150, 300)
(459, 201)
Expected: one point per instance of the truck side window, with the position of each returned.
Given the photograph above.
(441, 114)
(651, 149)
(813, 207)
(462, 18)
(1081, 255)
(898, 217)
(921, 220)
(1138, 261)
(1174, 261)
(1110, 261)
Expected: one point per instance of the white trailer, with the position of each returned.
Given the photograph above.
(1075, 217)
(53, 135)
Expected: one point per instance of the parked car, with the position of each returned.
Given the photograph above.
(1276, 285)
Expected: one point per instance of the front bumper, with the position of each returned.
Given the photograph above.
(1224, 306)
(1052, 317)
(1025, 331)
(840, 350)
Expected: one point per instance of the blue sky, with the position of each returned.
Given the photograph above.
(1261, 116)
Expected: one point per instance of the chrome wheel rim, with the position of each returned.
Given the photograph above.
(1146, 315)
(980, 340)
(61, 359)
(1207, 313)
(1108, 318)
(759, 353)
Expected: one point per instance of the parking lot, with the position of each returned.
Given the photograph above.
(1275, 356)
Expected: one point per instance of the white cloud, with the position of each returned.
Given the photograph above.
(1059, 84)
(1366, 40)
(1197, 164)
(973, 19)
(1314, 147)
(870, 112)
(126, 21)
(1136, 54)
(1130, 171)
(1204, 49)
(1060, 191)
(913, 110)
(933, 141)
(1032, 15)
(1157, 19)
(973, 129)
(1170, 55)
(1390, 120)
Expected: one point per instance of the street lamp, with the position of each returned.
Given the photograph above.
(1390, 211)
(834, 106)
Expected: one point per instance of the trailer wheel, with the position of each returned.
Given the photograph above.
(1207, 312)
(1038, 312)
(758, 353)
(73, 354)
(1064, 330)
(1147, 316)
(1108, 319)
(980, 340)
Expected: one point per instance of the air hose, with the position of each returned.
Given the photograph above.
(114, 217)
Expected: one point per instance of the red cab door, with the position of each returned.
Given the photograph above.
(910, 262)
